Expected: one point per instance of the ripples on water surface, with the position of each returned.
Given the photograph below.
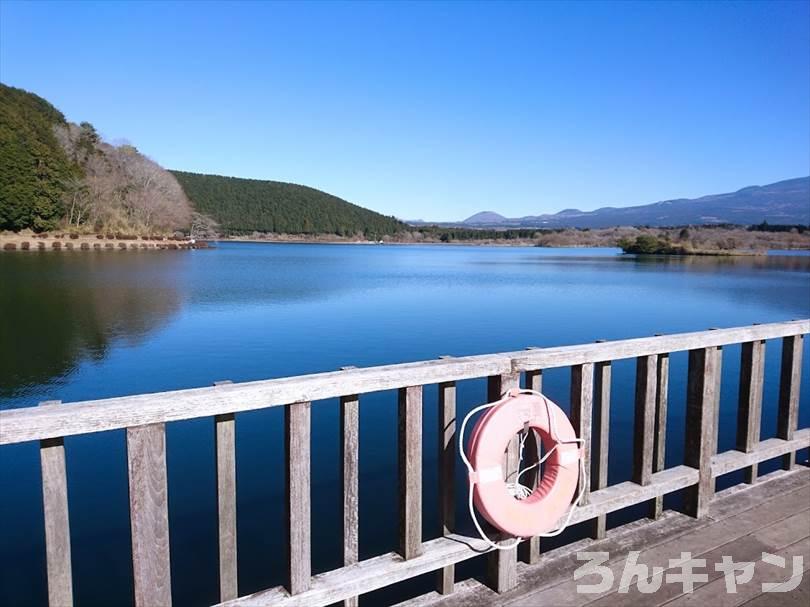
(84, 326)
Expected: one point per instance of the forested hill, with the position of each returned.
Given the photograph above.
(242, 206)
(56, 174)
(33, 165)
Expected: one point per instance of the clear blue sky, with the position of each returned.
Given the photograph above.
(436, 110)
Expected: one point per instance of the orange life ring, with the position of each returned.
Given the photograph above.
(542, 510)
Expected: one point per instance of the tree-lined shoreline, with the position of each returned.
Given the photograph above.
(57, 177)
(680, 240)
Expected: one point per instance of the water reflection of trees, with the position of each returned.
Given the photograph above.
(57, 310)
(698, 263)
(712, 263)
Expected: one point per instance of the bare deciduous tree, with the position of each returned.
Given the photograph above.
(120, 189)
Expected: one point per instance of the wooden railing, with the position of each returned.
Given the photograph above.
(144, 418)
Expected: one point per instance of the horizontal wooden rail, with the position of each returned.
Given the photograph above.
(52, 421)
(730, 461)
(18, 425)
(144, 418)
(546, 358)
(380, 571)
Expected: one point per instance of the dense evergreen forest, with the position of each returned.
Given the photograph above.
(56, 174)
(34, 168)
(243, 206)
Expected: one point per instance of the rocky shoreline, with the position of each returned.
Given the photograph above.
(95, 242)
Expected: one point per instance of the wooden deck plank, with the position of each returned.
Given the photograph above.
(462, 588)
(714, 593)
(745, 548)
(557, 566)
(800, 597)
(702, 538)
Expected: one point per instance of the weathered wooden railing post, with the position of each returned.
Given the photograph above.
(350, 471)
(149, 515)
(644, 420)
(502, 564)
(718, 378)
(143, 417)
(225, 446)
(581, 416)
(529, 551)
(410, 471)
(297, 418)
(749, 414)
(599, 480)
(789, 383)
(659, 448)
(447, 458)
(699, 431)
(57, 522)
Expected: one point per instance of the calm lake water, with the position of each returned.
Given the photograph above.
(82, 326)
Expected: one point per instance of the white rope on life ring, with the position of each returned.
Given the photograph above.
(512, 507)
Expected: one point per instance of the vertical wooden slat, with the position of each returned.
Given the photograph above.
(718, 376)
(699, 429)
(789, 383)
(502, 564)
(582, 420)
(659, 446)
(447, 459)
(599, 478)
(581, 416)
(149, 514)
(410, 471)
(531, 447)
(749, 413)
(529, 551)
(57, 523)
(534, 380)
(297, 445)
(644, 419)
(225, 446)
(350, 468)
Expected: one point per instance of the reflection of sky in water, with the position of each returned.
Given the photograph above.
(143, 322)
(89, 326)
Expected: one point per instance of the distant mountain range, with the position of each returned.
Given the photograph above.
(783, 202)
